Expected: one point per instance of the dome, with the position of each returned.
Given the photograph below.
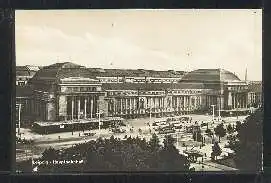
(210, 75)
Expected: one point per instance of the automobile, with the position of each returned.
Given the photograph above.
(154, 124)
(89, 134)
(118, 130)
(175, 122)
(166, 131)
(178, 126)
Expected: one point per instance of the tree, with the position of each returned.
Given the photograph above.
(197, 136)
(232, 140)
(216, 150)
(169, 142)
(248, 149)
(220, 131)
(50, 154)
(209, 132)
(238, 126)
(154, 143)
(169, 157)
(230, 129)
(113, 154)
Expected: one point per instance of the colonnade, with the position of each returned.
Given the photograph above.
(237, 100)
(79, 107)
(152, 104)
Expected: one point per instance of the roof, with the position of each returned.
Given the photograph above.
(33, 68)
(26, 70)
(255, 87)
(136, 73)
(22, 71)
(23, 91)
(53, 73)
(210, 75)
(151, 86)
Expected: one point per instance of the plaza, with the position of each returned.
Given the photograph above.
(142, 129)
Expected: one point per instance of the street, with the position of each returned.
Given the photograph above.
(142, 128)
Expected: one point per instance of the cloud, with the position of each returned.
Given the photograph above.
(42, 45)
(45, 43)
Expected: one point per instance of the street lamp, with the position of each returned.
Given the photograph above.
(19, 119)
(99, 120)
(213, 106)
(150, 110)
(219, 110)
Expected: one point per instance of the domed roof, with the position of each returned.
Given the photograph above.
(210, 75)
(53, 73)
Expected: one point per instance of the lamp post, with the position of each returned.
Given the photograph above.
(213, 106)
(99, 120)
(219, 110)
(150, 111)
(19, 119)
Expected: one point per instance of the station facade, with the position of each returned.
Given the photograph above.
(67, 91)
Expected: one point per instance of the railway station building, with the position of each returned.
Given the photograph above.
(67, 91)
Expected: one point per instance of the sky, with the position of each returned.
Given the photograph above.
(182, 40)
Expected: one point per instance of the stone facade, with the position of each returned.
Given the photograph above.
(73, 93)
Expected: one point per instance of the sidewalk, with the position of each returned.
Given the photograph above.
(219, 166)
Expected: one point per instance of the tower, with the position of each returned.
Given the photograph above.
(246, 75)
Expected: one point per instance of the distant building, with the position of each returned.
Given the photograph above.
(24, 73)
(23, 98)
(66, 91)
(255, 93)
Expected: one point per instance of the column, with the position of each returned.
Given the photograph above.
(120, 106)
(189, 102)
(178, 103)
(230, 100)
(181, 102)
(78, 112)
(91, 107)
(236, 100)
(126, 105)
(241, 101)
(135, 108)
(158, 102)
(131, 106)
(114, 107)
(85, 107)
(163, 103)
(233, 100)
(154, 103)
(72, 106)
(184, 102)
(246, 100)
